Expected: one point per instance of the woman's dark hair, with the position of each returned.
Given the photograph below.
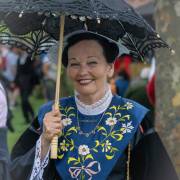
(110, 48)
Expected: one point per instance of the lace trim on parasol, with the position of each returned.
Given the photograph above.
(38, 167)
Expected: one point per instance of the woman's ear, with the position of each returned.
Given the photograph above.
(110, 70)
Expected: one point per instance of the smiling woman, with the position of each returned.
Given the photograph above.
(88, 70)
(98, 130)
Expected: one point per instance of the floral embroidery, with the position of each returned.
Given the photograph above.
(129, 105)
(107, 146)
(66, 121)
(84, 164)
(67, 145)
(64, 146)
(127, 128)
(126, 106)
(67, 112)
(83, 150)
(111, 121)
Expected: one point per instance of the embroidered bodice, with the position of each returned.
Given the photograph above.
(93, 157)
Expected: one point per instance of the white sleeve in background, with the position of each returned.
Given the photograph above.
(3, 108)
(38, 167)
(152, 68)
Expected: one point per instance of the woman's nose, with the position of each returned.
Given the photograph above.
(83, 70)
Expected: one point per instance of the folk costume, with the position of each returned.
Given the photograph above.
(149, 159)
(97, 139)
(94, 138)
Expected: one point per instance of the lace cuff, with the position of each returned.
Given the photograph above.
(38, 167)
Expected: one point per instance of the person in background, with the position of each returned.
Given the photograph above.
(137, 91)
(4, 154)
(9, 73)
(3, 53)
(48, 76)
(122, 74)
(151, 83)
(151, 90)
(25, 78)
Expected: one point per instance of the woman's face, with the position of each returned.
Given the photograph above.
(88, 68)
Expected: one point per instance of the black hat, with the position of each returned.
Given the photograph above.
(110, 47)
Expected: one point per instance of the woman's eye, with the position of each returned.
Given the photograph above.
(74, 64)
(92, 63)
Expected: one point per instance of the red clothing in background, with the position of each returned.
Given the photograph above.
(151, 90)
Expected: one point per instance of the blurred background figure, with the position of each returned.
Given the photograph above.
(25, 80)
(3, 53)
(4, 155)
(122, 74)
(136, 81)
(48, 70)
(8, 73)
(151, 90)
(151, 83)
(137, 91)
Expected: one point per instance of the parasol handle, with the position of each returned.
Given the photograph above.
(54, 142)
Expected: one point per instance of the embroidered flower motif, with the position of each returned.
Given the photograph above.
(83, 150)
(127, 128)
(107, 146)
(129, 105)
(111, 121)
(64, 146)
(66, 121)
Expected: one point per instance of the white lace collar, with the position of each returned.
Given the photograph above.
(96, 108)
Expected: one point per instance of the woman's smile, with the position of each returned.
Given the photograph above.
(85, 82)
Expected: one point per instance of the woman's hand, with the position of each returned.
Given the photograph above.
(52, 126)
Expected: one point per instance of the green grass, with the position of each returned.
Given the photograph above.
(19, 122)
(36, 100)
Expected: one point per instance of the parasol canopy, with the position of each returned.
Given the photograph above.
(115, 19)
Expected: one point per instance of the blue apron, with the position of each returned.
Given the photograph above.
(93, 156)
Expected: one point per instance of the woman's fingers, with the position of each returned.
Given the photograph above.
(52, 127)
(50, 134)
(52, 119)
(52, 124)
(54, 113)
